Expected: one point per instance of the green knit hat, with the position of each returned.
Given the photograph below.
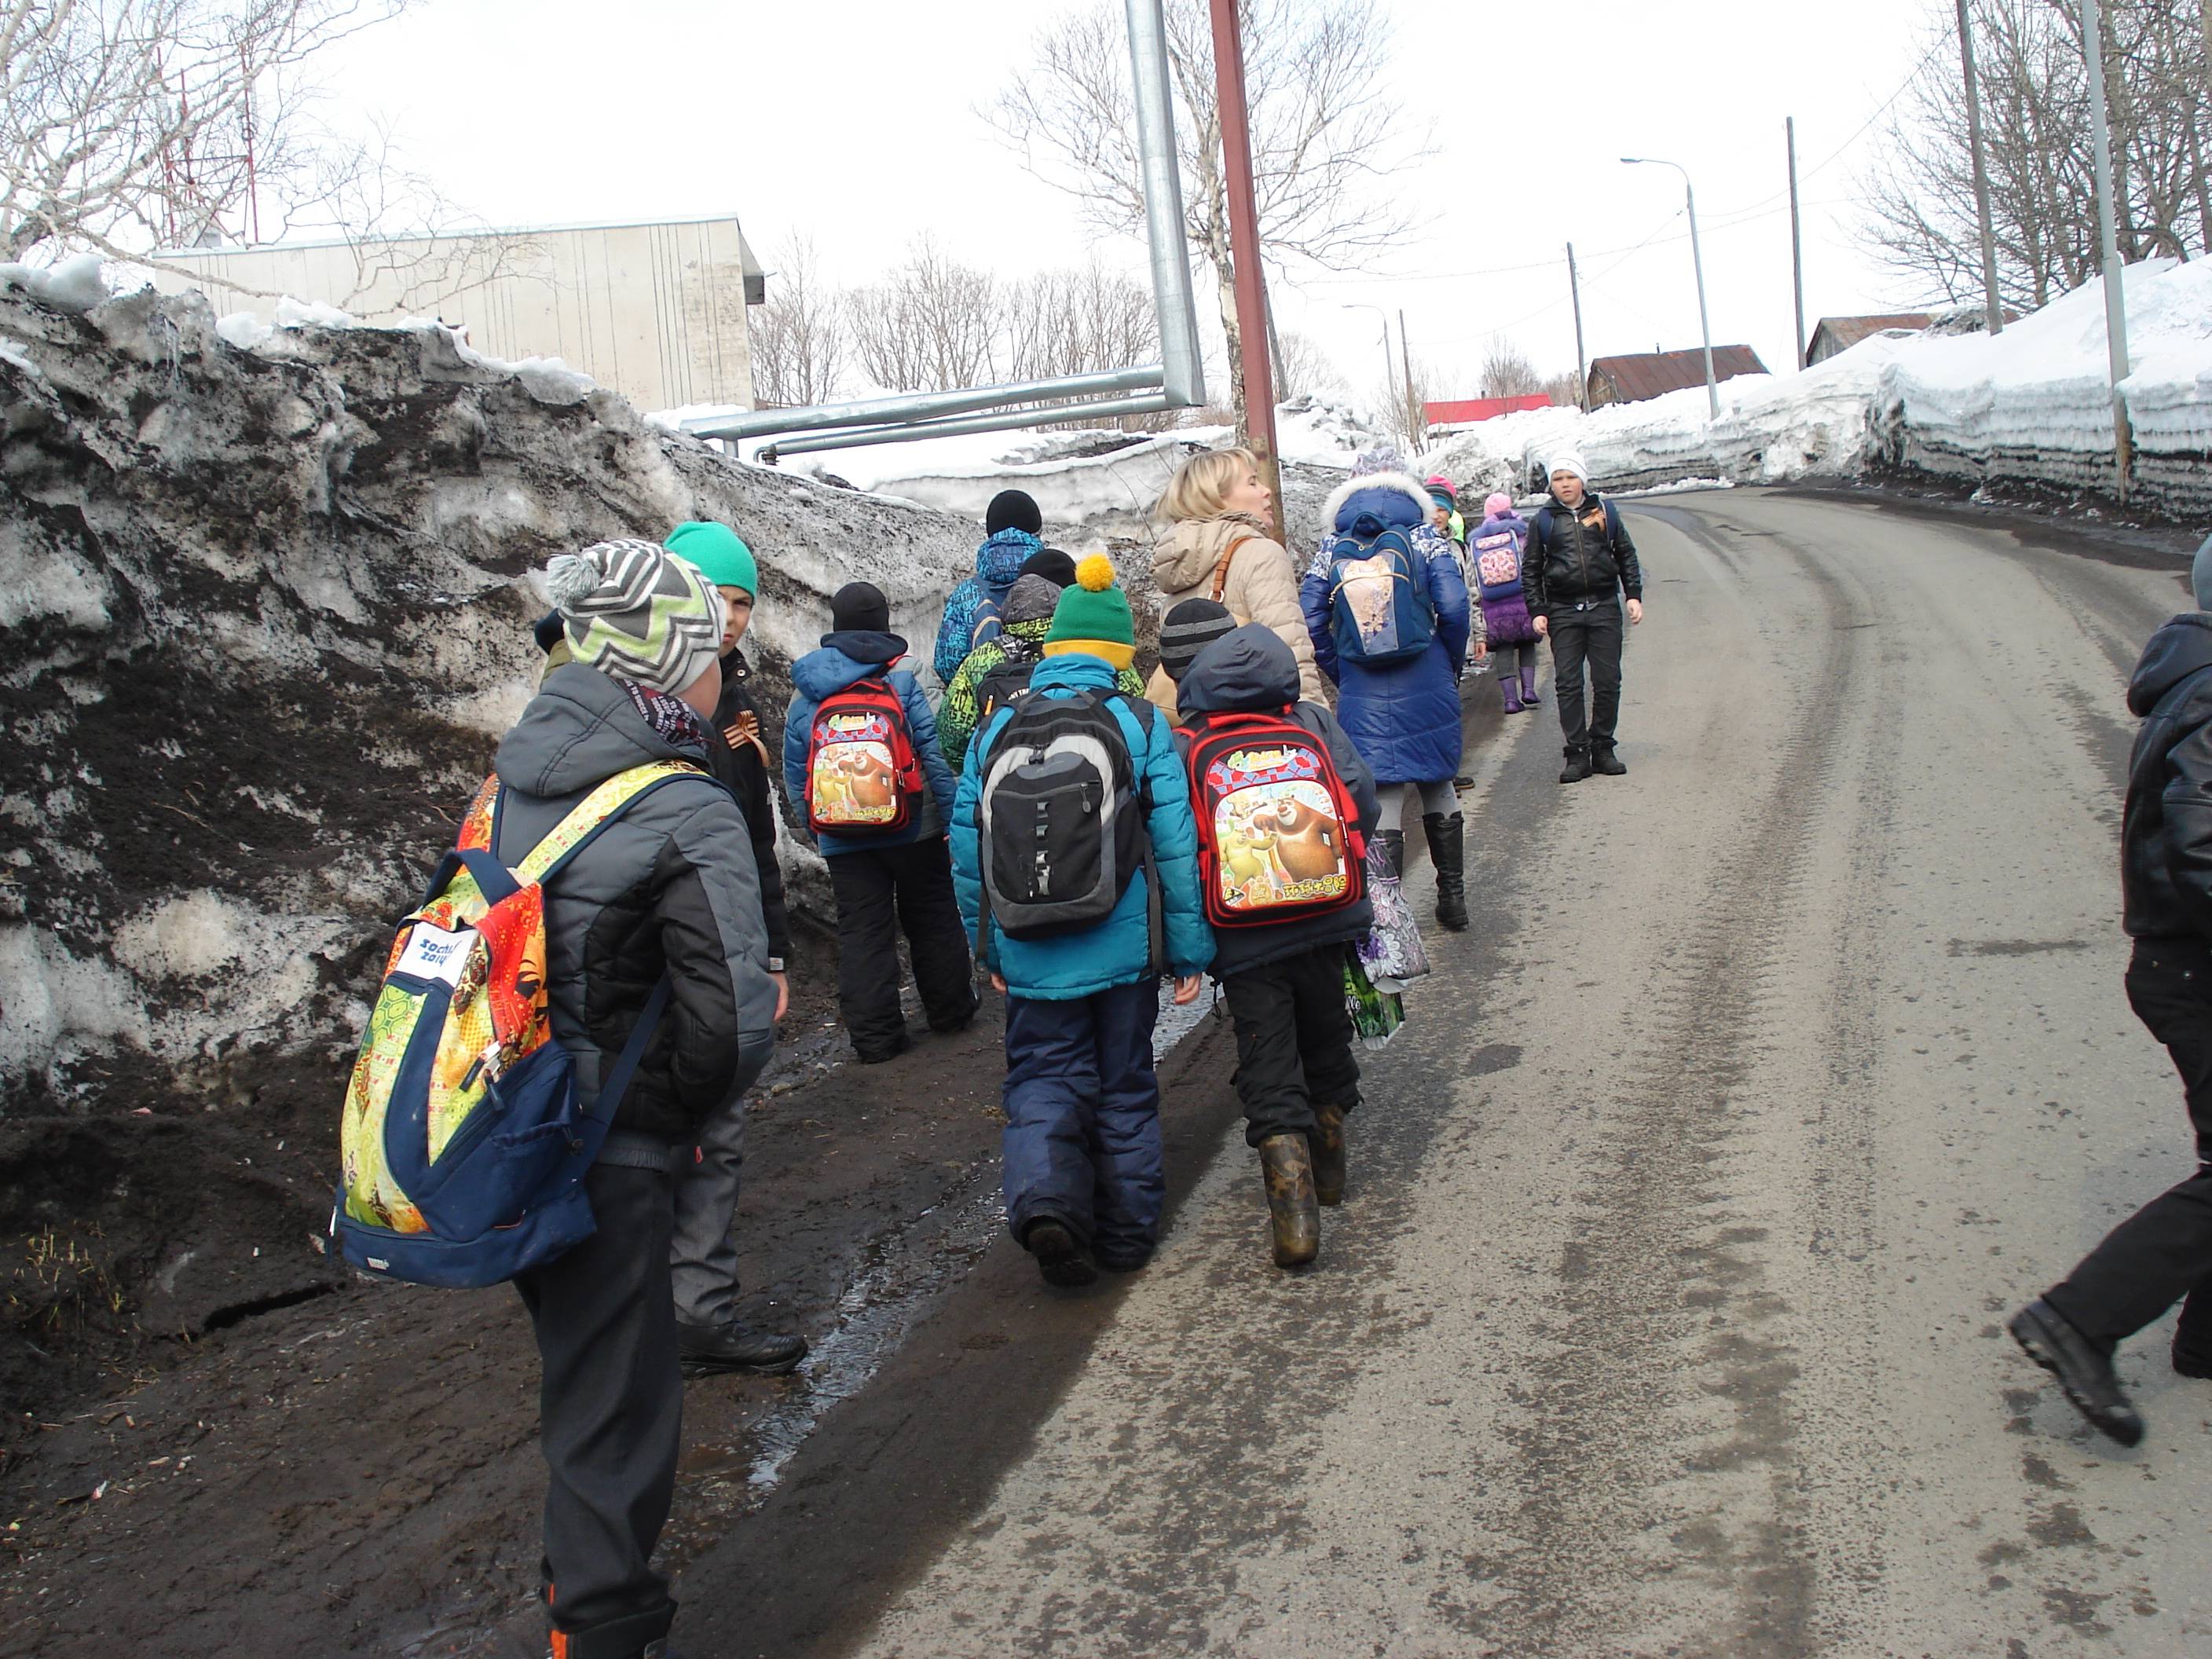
(715, 549)
(1093, 617)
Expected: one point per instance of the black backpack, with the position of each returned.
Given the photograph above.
(1000, 687)
(1060, 814)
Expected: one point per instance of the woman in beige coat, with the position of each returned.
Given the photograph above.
(1216, 545)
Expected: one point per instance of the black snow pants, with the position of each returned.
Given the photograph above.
(2164, 1250)
(610, 1407)
(1293, 1041)
(1593, 635)
(881, 890)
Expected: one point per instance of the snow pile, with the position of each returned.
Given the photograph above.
(73, 287)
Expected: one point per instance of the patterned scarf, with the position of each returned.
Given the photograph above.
(670, 716)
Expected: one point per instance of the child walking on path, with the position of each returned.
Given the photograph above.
(885, 879)
(1084, 1179)
(1012, 527)
(1284, 979)
(1495, 556)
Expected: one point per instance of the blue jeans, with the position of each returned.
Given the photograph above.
(1083, 1119)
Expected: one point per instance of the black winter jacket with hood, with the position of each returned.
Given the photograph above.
(1250, 669)
(1576, 553)
(669, 886)
(2165, 837)
(741, 761)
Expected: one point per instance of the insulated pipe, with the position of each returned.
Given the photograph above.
(1151, 404)
(918, 406)
(1183, 364)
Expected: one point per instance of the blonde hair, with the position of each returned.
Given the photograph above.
(1200, 486)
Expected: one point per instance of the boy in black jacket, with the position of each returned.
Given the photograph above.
(1579, 561)
(1283, 981)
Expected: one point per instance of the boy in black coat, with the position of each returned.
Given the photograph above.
(1283, 981)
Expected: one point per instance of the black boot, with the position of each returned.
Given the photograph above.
(1394, 850)
(2084, 1369)
(1293, 1212)
(1578, 764)
(2192, 1335)
(1604, 761)
(713, 1350)
(1448, 852)
(1060, 1259)
(1327, 1141)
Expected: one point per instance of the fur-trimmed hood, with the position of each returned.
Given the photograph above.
(1386, 487)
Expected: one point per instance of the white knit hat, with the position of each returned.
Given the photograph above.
(1569, 460)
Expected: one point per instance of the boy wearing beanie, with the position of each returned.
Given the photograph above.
(884, 880)
(1186, 629)
(1084, 1176)
(1579, 561)
(1012, 527)
(668, 888)
(1001, 664)
(705, 1265)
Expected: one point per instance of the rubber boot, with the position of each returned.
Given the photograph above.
(1327, 1144)
(1286, 1166)
(1394, 850)
(2192, 1335)
(1509, 689)
(1448, 852)
(1528, 685)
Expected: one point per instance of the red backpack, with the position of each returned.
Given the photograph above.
(863, 776)
(1277, 834)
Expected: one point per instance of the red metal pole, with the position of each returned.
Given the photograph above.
(1258, 414)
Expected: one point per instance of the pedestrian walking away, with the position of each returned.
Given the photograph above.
(1186, 629)
(1072, 825)
(667, 890)
(1387, 609)
(860, 749)
(1495, 554)
(704, 1265)
(1578, 561)
(2163, 1253)
(1284, 804)
(1215, 544)
(1012, 527)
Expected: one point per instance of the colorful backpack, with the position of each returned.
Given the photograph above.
(1277, 834)
(1060, 815)
(863, 776)
(462, 1147)
(1498, 562)
(1380, 610)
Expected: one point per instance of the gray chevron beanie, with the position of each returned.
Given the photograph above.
(633, 611)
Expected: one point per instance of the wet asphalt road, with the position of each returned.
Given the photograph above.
(1665, 1314)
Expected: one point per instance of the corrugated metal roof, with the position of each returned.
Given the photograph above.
(1654, 374)
(1845, 333)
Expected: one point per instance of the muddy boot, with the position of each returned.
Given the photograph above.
(1509, 689)
(1327, 1144)
(1286, 1165)
(1394, 850)
(2192, 1335)
(1528, 685)
(1060, 1259)
(1448, 852)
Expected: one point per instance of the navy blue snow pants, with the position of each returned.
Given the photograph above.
(1083, 1119)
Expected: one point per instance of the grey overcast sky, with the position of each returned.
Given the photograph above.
(854, 121)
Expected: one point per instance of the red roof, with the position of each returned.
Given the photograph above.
(1482, 409)
(1654, 374)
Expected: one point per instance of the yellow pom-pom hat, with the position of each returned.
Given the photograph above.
(1093, 617)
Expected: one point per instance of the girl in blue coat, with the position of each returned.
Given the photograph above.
(1403, 717)
(1085, 1175)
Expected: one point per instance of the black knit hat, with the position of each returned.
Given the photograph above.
(1054, 566)
(1187, 630)
(1012, 509)
(859, 608)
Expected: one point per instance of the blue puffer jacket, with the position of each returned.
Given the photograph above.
(844, 658)
(971, 614)
(1119, 951)
(1404, 717)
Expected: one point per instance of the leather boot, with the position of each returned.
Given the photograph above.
(1286, 1166)
(1394, 850)
(1577, 767)
(2083, 1368)
(1448, 852)
(2192, 1333)
(1327, 1144)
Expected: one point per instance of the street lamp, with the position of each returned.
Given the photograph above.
(1697, 261)
(1389, 375)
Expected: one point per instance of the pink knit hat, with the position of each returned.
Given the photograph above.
(1498, 505)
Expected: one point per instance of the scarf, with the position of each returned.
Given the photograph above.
(670, 717)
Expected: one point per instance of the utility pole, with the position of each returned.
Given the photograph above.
(1574, 288)
(1697, 262)
(1796, 243)
(2116, 305)
(1416, 427)
(1981, 170)
(1258, 410)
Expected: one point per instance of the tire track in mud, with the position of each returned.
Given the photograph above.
(1661, 1440)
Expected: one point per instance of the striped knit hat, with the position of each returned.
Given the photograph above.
(632, 612)
(1188, 629)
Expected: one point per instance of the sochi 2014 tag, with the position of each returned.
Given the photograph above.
(434, 953)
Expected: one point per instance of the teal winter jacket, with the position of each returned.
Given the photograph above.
(1118, 951)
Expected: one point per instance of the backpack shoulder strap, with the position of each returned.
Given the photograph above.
(595, 812)
(1221, 570)
(1539, 527)
(1613, 525)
